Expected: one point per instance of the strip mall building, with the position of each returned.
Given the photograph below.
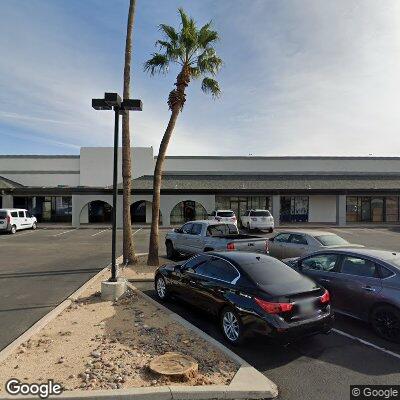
(315, 190)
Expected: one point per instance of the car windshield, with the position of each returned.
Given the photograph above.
(225, 213)
(271, 271)
(222, 230)
(260, 213)
(3, 214)
(331, 240)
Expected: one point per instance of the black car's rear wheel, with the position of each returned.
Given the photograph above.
(386, 322)
(161, 287)
(171, 253)
(231, 325)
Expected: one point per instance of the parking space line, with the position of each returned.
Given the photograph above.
(99, 233)
(18, 235)
(136, 231)
(345, 231)
(63, 233)
(391, 353)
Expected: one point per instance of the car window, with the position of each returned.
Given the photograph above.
(331, 240)
(187, 228)
(213, 214)
(298, 239)
(358, 267)
(3, 214)
(14, 214)
(221, 230)
(195, 262)
(222, 270)
(225, 213)
(196, 230)
(322, 262)
(385, 273)
(260, 213)
(282, 237)
(28, 214)
(21, 214)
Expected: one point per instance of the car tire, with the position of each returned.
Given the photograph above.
(270, 230)
(231, 326)
(171, 253)
(248, 227)
(13, 230)
(385, 321)
(34, 226)
(160, 286)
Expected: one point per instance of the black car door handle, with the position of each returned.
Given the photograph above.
(368, 288)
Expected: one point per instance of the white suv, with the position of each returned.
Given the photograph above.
(258, 219)
(223, 216)
(14, 219)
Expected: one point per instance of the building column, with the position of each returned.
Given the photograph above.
(8, 201)
(341, 210)
(148, 212)
(76, 211)
(276, 208)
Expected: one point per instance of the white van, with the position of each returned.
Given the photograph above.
(15, 219)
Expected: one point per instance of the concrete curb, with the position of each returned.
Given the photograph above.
(37, 326)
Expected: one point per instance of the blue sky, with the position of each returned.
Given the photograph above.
(300, 77)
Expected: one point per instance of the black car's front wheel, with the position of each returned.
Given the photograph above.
(385, 321)
(231, 325)
(161, 288)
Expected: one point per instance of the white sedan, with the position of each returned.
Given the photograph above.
(258, 219)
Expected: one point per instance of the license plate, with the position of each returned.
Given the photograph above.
(307, 307)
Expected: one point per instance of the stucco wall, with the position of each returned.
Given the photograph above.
(322, 209)
(96, 165)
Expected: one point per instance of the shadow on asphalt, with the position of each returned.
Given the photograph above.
(45, 273)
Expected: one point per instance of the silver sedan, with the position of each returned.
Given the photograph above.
(296, 243)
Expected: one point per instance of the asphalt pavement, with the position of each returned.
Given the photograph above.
(39, 269)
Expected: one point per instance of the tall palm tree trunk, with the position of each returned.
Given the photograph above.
(128, 248)
(176, 100)
(153, 245)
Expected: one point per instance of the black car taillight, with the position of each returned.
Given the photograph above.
(273, 308)
(325, 297)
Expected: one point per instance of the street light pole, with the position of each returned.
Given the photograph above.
(112, 101)
(115, 195)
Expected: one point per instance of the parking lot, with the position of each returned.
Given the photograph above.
(322, 366)
(39, 269)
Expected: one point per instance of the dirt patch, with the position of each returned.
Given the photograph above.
(141, 270)
(107, 345)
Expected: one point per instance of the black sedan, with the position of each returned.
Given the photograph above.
(248, 293)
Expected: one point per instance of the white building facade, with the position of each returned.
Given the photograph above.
(297, 190)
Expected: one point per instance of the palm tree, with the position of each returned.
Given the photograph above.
(192, 50)
(128, 248)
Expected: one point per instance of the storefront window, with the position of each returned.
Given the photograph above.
(294, 209)
(187, 211)
(392, 209)
(372, 209)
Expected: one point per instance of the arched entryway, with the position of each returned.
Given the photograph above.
(96, 212)
(141, 212)
(187, 210)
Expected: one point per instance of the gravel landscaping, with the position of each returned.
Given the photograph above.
(95, 344)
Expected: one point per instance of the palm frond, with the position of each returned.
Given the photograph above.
(207, 36)
(173, 52)
(209, 62)
(209, 85)
(169, 32)
(158, 63)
